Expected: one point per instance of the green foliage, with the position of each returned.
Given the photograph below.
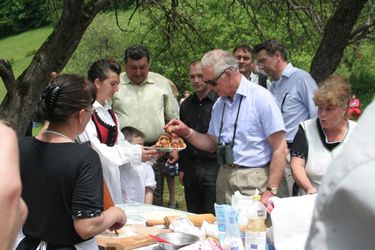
(20, 15)
(362, 78)
(19, 50)
(175, 38)
(120, 4)
(218, 24)
(363, 85)
(178, 36)
(103, 39)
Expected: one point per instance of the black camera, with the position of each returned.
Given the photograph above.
(225, 153)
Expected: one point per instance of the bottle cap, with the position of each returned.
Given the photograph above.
(255, 197)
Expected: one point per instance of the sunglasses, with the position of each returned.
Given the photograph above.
(214, 82)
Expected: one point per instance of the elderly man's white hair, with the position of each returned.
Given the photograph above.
(219, 60)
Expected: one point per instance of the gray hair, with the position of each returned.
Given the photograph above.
(219, 60)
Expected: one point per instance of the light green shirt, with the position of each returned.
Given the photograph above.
(147, 106)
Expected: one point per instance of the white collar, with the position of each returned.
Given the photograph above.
(102, 112)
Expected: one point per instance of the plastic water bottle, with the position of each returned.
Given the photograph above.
(255, 236)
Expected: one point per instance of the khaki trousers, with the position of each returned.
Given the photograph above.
(243, 179)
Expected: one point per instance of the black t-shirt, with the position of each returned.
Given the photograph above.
(61, 182)
(197, 115)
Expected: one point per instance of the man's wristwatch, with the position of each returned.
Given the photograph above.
(273, 190)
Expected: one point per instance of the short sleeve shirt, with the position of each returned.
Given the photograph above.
(259, 117)
(61, 181)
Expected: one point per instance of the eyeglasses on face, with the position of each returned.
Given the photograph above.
(214, 82)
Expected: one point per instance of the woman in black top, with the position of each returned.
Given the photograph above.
(62, 180)
(319, 140)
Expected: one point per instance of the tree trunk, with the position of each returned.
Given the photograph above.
(24, 93)
(335, 38)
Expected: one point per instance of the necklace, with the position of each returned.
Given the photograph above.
(59, 134)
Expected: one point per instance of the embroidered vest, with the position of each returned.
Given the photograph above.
(107, 134)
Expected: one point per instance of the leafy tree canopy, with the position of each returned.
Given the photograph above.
(19, 15)
(179, 31)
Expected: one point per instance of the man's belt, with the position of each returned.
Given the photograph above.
(234, 166)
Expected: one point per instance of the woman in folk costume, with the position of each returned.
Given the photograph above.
(62, 180)
(103, 132)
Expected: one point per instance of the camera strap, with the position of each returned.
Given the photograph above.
(235, 122)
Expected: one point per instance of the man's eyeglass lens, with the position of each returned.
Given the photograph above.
(213, 82)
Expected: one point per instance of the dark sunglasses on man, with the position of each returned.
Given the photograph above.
(213, 82)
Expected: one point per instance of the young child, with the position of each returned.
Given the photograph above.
(137, 182)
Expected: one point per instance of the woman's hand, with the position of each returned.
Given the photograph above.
(149, 153)
(113, 218)
(120, 220)
(116, 226)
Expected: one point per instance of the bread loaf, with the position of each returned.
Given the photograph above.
(197, 220)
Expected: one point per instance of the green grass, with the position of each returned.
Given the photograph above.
(180, 195)
(20, 49)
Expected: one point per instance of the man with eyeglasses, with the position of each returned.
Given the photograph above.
(293, 89)
(246, 130)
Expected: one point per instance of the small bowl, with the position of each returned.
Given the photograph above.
(178, 240)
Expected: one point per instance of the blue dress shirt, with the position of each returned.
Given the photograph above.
(259, 117)
(294, 93)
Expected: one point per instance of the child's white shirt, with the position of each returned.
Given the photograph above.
(135, 179)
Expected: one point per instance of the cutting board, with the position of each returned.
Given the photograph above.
(130, 237)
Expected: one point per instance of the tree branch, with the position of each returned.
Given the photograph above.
(173, 23)
(362, 31)
(335, 38)
(253, 17)
(310, 12)
(117, 21)
(304, 10)
(6, 73)
(135, 10)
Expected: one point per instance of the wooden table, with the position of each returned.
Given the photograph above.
(135, 234)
